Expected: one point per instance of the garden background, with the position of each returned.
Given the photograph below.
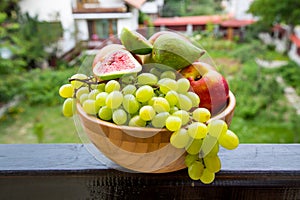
(263, 113)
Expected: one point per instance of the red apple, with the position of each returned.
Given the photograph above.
(210, 85)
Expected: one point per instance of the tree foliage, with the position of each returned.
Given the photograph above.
(23, 39)
(191, 7)
(273, 11)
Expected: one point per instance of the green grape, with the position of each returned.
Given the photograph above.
(194, 98)
(160, 104)
(78, 84)
(173, 123)
(184, 116)
(179, 139)
(210, 147)
(66, 91)
(93, 86)
(151, 101)
(155, 71)
(173, 109)
(207, 177)
(105, 113)
(144, 93)
(159, 120)
(130, 104)
(147, 79)
(112, 85)
(89, 106)
(172, 97)
(147, 113)
(137, 121)
(212, 163)
(194, 146)
(183, 85)
(167, 84)
(114, 99)
(129, 89)
(101, 87)
(83, 97)
(168, 74)
(93, 94)
(119, 117)
(217, 128)
(101, 99)
(229, 140)
(184, 102)
(67, 108)
(197, 130)
(81, 91)
(128, 78)
(195, 170)
(201, 115)
(190, 159)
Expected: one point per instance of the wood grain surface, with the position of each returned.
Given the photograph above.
(69, 171)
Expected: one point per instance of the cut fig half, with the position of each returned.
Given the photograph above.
(116, 64)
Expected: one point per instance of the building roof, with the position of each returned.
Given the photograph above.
(236, 23)
(223, 20)
(135, 3)
(279, 28)
(194, 20)
(295, 40)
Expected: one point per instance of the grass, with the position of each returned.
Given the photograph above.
(19, 127)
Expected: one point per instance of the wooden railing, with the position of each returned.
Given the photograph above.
(69, 171)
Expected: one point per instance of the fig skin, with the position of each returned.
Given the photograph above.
(174, 51)
(157, 34)
(135, 42)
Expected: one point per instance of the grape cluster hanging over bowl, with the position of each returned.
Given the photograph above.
(153, 105)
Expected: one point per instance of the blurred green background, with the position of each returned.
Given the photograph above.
(263, 114)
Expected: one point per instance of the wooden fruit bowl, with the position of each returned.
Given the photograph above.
(140, 149)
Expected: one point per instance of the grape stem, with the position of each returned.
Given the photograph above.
(89, 81)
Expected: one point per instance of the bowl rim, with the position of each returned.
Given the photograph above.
(228, 109)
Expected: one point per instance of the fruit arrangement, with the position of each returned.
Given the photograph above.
(158, 83)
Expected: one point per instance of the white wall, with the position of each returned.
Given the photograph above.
(83, 33)
(111, 3)
(54, 10)
(47, 10)
(131, 23)
(239, 8)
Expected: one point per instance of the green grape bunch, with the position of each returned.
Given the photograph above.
(157, 99)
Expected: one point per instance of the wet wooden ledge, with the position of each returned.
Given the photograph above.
(69, 171)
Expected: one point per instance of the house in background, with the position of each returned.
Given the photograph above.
(97, 20)
(230, 25)
(294, 51)
(85, 20)
(153, 8)
(238, 9)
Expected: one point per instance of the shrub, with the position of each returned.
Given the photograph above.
(291, 74)
(41, 86)
(249, 51)
(254, 90)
